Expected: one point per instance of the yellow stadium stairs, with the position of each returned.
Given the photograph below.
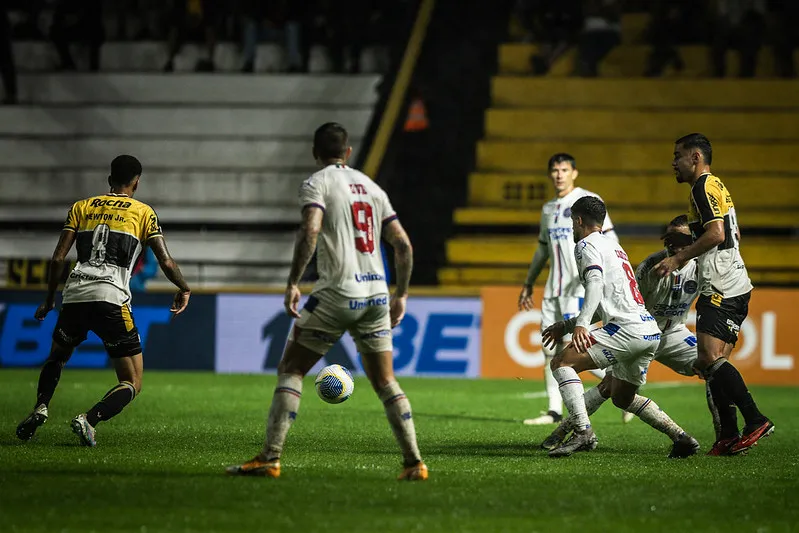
(621, 131)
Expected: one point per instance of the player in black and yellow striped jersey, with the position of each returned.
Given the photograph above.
(724, 288)
(109, 232)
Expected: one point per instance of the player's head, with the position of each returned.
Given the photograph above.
(331, 142)
(588, 215)
(677, 235)
(693, 155)
(562, 170)
(125, 173)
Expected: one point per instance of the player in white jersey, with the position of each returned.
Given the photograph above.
(669, 301)
(344, 215)
(563, 293)
(626, 342)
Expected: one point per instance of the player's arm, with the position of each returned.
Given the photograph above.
(711, 218)
(394, 234)
(65, 242)
(540, 258)
(172, 272)
(304, 246)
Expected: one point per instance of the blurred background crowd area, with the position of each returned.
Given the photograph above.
(664, 26)
(343, 28)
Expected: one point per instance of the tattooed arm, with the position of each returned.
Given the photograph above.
(172, 272)
(63, 247)
(304, 246)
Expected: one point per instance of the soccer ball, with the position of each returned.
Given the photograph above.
(334, 384)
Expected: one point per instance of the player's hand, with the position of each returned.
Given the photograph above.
(43, 309)
(180, 303)
(396, 309)
(667, 266)
(581, 339)
(292, 301)
(553, 334)
(526, 298)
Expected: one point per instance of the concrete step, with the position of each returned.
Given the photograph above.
(153, 152)
(636, 156)
(149, 56)
(330, 91)
(158, 187)
(215, 122)
(525, 91)
(642, 125)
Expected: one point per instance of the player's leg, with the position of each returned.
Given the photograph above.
(565, 367)
(594, 398)
(372, 335)
(69, 332)
(115, 326)
(311, 337)
(550, 313)
(718, 323)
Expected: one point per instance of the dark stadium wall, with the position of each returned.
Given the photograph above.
(425, 172)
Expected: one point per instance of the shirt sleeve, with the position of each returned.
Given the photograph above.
(71, 223)
(709, 201)
(152, 226)
(312, 193)
(588, 258)
(388, 212)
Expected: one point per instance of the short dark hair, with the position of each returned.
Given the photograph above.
(561, 158)
(330, 141)
(124, 168)
(700, 142)
(591, 209)
(679, 220)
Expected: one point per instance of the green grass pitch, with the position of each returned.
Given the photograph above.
(159, 465)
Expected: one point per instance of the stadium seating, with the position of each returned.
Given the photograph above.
(621, 131)
(218, 150)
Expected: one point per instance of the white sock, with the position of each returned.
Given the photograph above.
(398, 412)
(571, 389)
(553, 391)
(649, 412)
(593, 401)
(598, 372)
(282, 412)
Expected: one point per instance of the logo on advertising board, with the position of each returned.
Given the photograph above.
(437, 337)
(511, 339)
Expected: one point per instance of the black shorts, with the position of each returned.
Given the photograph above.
(112, 323)
(721, 317)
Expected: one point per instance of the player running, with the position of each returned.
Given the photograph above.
(724, 288)
(347, 213)
(563, 293)
(669, 301)
(109, 231)
(627, 341)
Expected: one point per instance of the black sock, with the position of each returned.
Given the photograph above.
(48, 381)
(735, 389)
(112, 403)
(725, 410)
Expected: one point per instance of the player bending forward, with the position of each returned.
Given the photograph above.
(110, 231)
(347, 213)
(563, 293)
(668, 300)
(627, 341)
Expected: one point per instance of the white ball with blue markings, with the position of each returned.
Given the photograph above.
(334, 384)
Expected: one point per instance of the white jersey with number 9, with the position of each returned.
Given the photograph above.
(349, 260)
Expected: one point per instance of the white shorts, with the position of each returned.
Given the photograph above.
(677, 350)
(557, 309)
(327, 315)
(628, 355)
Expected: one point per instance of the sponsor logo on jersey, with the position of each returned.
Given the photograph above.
(647, 318)
(368, 276)
(670, 309)
(559, 234)
(655, 337)
(377, 334)
(690, 286)
(97, 202)
(368, 302)
(76, 274)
